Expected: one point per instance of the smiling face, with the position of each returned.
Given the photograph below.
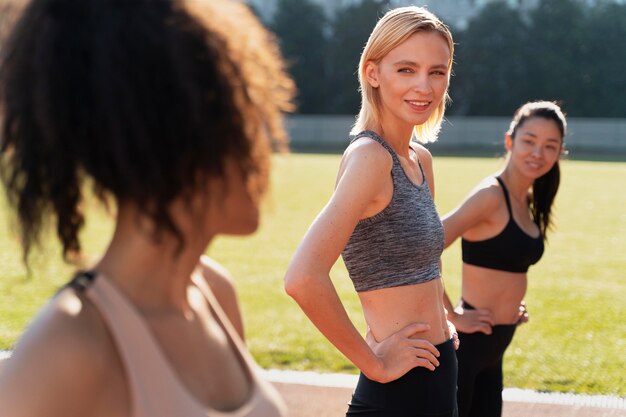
(412, 79)
(536, 146)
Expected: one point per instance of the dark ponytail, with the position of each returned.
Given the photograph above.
(546, 186)
(544, 192)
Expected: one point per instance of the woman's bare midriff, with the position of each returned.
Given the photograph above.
(388, 310)
(500, 292)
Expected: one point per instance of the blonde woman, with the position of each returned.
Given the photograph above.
(382, 220)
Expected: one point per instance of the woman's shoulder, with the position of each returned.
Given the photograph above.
(488, 193)
(66, 349)
(223, 288)
(423, 154)
(366, 150)
(69, 324)
(489, 186)
(216, 276)
(71, 328)
(421, 150)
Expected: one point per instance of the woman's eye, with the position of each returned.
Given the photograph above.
(438, 73)
(405, 70)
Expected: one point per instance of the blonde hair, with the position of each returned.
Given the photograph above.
(395, 27)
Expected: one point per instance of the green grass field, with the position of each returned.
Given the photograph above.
(575, 341)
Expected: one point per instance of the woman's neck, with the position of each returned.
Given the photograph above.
(396, 136)
(154, 274)
(517, 185)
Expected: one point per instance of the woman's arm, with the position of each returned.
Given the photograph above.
(365, 172)
(474, 210)
(468, 321)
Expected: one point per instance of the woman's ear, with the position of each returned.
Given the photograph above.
(508, 142)
(371, 74)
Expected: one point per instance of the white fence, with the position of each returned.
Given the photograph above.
(461, 134)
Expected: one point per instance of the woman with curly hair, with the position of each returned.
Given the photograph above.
(169, 110)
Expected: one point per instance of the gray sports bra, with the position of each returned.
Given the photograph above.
(402, 244)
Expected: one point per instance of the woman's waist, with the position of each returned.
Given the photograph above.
(504, 307)
(493, 287)
(371, 274)
(389, 310)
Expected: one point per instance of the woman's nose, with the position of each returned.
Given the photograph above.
(421, 84)
(537, 151)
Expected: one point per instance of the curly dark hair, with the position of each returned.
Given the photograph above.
(147, 98)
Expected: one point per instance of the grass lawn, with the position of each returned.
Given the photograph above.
(576, 293)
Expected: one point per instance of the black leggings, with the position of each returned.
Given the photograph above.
(419, 393)
(480, 370)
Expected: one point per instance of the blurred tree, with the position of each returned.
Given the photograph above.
(603, 87)
(558, 51)
(491, 63)
(564, 50)
(301, 27)
(351, 29)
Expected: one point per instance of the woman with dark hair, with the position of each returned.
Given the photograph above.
(382, 220)
(168, 109)
(503, 224)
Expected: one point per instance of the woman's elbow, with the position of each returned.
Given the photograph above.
(296, 282)
(293, 283)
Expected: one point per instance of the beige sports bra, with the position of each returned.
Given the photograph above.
(155, 388)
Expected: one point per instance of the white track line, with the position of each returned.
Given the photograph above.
(509, 394)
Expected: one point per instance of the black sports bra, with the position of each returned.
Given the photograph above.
(512, 250)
